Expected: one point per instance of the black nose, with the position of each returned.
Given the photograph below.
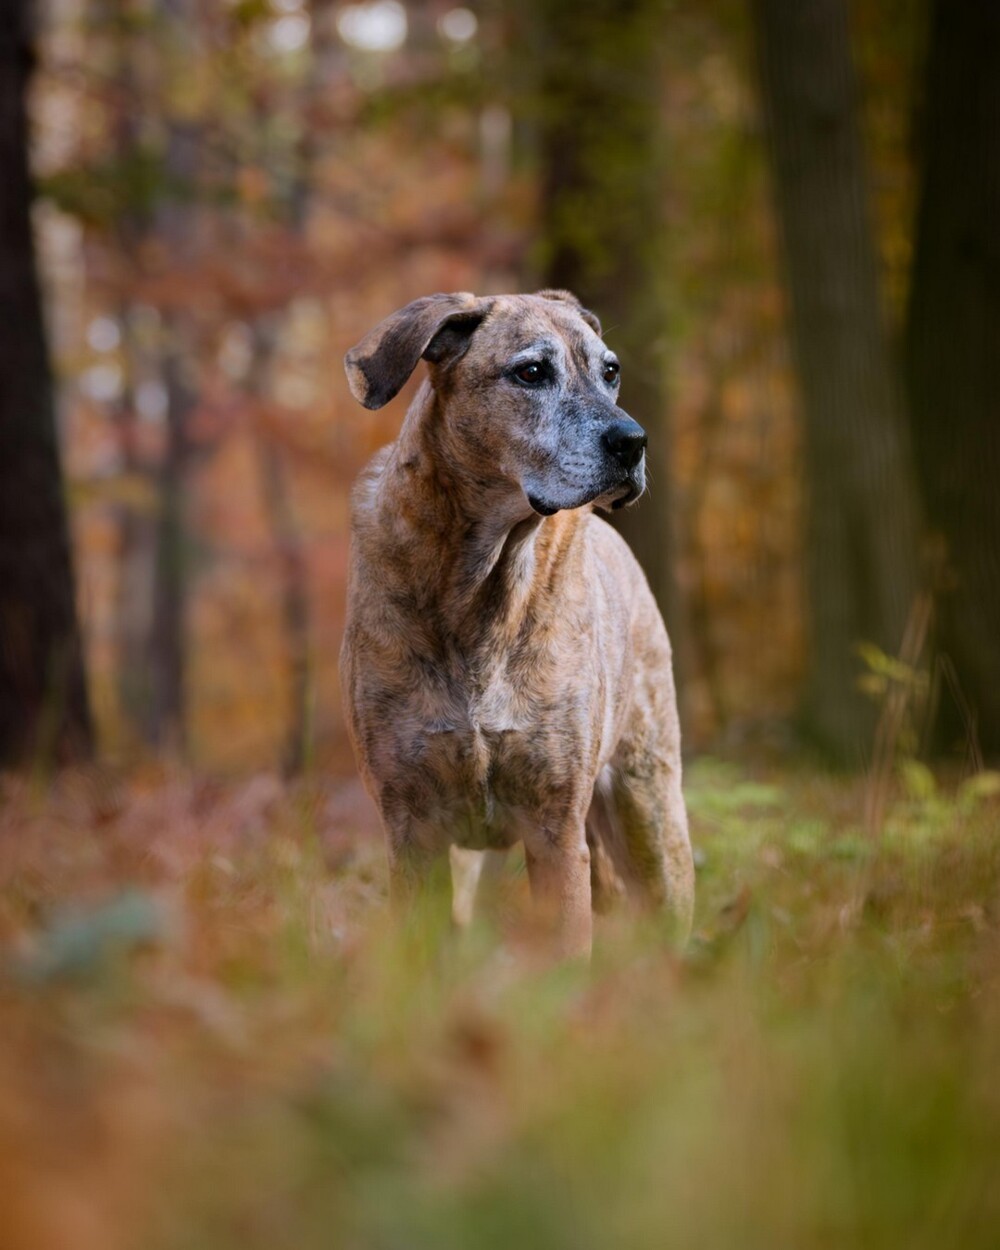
(626, 440)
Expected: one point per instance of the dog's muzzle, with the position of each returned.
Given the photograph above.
(619, 472)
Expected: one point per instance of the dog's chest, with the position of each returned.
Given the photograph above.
(473, 741)
(479, 760)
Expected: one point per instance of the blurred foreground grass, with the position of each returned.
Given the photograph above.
(207, 1039)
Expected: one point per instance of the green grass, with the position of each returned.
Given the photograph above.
(253, 1062)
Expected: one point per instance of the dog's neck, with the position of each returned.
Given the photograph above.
(475, 546)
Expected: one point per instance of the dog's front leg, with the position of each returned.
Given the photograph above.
(559, 873)
(420, 892)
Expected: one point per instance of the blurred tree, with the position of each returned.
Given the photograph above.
(599, 115)
(861, 541)
(129, 228)
(953, 354)
(43, 699)
(176, 222)
(316, 79)
(276, 495)
(167, 651)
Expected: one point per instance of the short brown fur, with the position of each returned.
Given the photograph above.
(506, 673)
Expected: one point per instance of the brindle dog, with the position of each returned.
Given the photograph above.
(505, 670)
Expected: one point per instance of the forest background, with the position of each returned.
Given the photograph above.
(787, 215)
(784, 215)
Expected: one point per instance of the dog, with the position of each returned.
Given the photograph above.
(505, 670)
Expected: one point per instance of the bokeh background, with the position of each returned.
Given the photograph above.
(783, 214)
(787, 215)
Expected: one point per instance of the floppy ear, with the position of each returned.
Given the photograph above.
(435, 327)
(567, 297)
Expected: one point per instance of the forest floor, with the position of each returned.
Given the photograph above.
(208, 1039)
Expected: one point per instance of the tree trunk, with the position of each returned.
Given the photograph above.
(953, 357)
(137, 539)
(861, 541)
(167, 639)
(601, 143)
(44, 710)
(293, 569)
(137, 524)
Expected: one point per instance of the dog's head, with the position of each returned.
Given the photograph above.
(527, 392)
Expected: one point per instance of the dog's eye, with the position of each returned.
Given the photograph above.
(611, 371)
(531, 373)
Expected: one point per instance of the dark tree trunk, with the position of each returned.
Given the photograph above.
(167, 639)
(861, 542)
(137, 524)
(43, 700)
(953, 357)
(601, 142)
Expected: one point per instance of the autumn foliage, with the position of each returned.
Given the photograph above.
(209, 1037)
